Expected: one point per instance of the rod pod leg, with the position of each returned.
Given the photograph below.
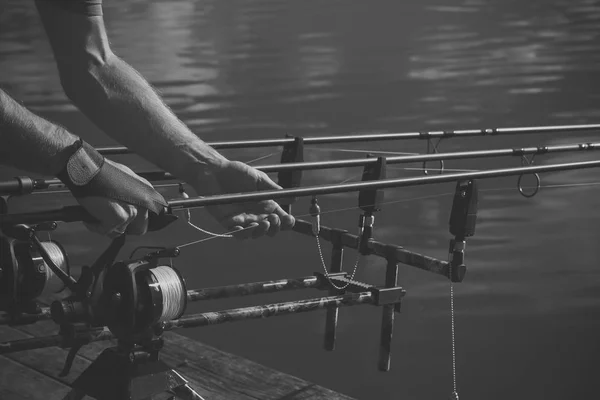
(121, 374)
(185, 391)
(388, 315)
(331, 318)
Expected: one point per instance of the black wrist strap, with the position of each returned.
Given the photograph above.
(87, 174)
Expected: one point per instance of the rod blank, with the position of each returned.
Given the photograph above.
(374, 137)
(380, 184)
(78, 213)
(16, 186)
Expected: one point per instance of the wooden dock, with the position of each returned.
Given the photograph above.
(215, 374)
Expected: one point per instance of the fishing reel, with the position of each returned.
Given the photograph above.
(25, 276)
(138, 295)
(132, 297)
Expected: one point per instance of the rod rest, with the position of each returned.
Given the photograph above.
(379, 249)
(382, 296)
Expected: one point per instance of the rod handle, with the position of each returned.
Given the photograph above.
(155, 221)
(78, 213)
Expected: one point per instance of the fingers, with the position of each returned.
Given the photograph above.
(274, 224)
(139, 224)
(115, 218)
(244, 226)
(287, 221)
(254, 229)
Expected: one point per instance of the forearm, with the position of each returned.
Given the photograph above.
(29, 142)
(117, 99)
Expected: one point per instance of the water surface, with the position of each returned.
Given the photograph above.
(528, 311)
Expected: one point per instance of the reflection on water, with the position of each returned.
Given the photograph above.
(527, 314)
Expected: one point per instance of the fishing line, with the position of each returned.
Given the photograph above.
(58, 256)
(335, 210)
(172, 291)
(262, 157)
(434, 169)
(188, 215)
(452, 193)
(433, 149)
(331, 211)
(215, 237)
(399, 153)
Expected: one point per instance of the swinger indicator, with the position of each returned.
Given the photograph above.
(463, 218)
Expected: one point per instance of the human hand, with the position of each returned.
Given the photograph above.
(250, 219)
(111, 193)
(116, 217)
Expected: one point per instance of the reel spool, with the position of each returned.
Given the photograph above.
(24, 276)
(139, 294)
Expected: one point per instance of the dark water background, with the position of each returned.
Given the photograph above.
(528, 312)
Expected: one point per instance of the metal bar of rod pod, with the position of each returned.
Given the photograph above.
(379, 249)
(243, 289)
(247, 289)
(268, 310)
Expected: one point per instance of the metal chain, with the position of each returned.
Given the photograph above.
(323, 264)
(454, 395)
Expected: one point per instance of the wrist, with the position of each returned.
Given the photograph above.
(59, 158)
(82, 165)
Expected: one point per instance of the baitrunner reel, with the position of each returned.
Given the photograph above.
(25, 276)
(132, 297)
(129, 297)
(142, 294)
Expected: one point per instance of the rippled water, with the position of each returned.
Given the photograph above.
(528, 311)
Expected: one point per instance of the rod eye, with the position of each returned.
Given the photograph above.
(536, 189)
(432, 148)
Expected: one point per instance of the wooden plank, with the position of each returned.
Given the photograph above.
(244, 375)
(46, 362)
(220, 372)
(18, 382)
(215, 374)
(50, 362)
(315, 392)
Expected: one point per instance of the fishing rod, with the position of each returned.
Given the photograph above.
(22, 185)
(78, 213)
(374, 137)
(139, 299)
(25, 185)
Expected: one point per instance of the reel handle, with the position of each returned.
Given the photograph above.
(78, 213)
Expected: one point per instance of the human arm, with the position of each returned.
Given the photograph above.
(122, 103)
(29, 142)
(32, 143)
